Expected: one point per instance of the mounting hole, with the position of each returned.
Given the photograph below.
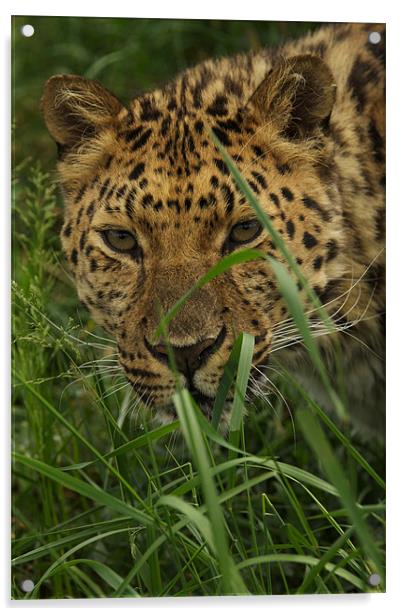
(374, 38)
(374, 579)
(27, 585)
(27, 30)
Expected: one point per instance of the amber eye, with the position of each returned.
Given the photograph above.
(245, 231)
(119, 240)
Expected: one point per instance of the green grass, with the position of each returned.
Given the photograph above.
(105, 501)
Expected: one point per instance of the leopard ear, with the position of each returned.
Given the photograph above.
(76, 109)
(297, 95)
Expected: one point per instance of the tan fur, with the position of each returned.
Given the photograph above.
(305, 125)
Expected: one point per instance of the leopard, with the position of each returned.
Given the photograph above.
(150, 206)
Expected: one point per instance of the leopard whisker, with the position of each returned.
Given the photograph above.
(84, 377)
(364, 344)
(101, 361)
(346, 293)
(282, 397)
(109, 340)
(319, 323)
(114, 390)
(125, 407)
(102, 371)
(317, 333)
(171, 444)
(285, 333)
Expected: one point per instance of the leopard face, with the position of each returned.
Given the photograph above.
(151, 207)
(143, 241)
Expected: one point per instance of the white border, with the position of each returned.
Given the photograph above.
(293, 10)
(307, 10)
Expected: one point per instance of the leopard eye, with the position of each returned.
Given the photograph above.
(119, 240)
(245, 231)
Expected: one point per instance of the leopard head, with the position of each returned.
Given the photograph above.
(150, 207)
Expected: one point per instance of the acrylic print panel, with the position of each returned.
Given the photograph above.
(198, 232)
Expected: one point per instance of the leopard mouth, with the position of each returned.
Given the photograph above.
(204, 402)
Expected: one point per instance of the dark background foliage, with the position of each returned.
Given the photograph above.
(128, 56)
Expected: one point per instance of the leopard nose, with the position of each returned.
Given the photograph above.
(189, 358)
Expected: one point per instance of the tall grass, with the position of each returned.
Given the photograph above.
(106, 502)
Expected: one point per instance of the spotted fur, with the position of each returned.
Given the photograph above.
(305, 126)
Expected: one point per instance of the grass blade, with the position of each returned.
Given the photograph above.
(192, 514)
(232, 582)
(317, 440)
(291, 296)
(112, 579)
(242, 256)
(81, 487)
(305, 560)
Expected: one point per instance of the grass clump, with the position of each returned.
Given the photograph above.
(110, 505)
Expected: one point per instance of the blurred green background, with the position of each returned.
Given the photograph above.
(128, 56)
